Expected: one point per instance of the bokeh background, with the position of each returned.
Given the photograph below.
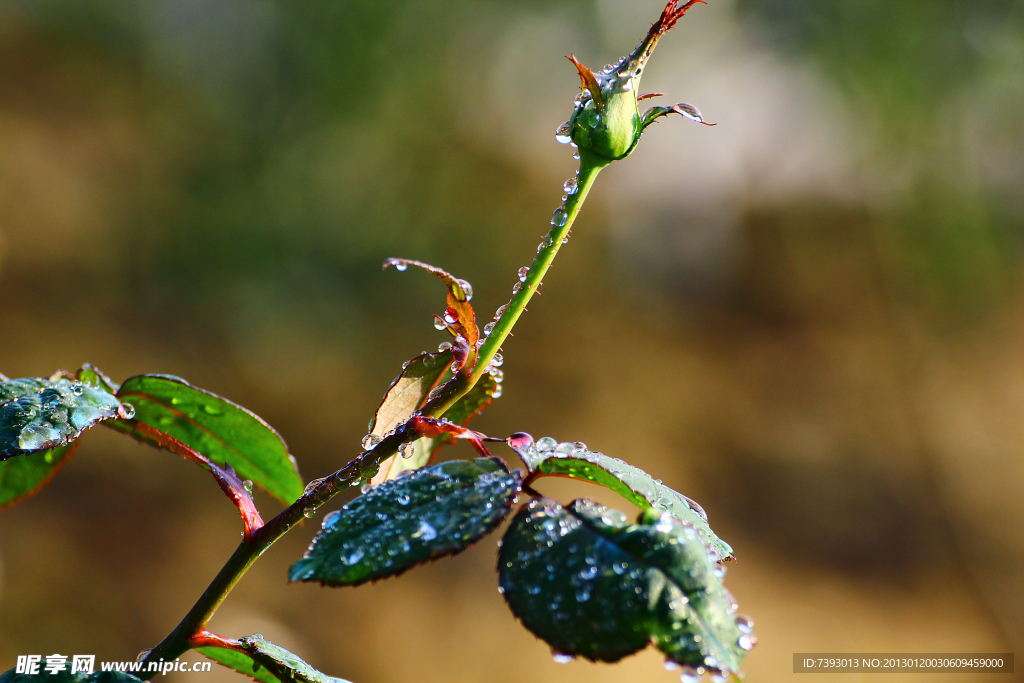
(810, 318)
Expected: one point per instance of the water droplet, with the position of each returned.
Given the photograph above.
(488, 328)
(516, 287)
(546, 443)
(498, 359)
(455, 367)
(745, 624)
(308, 511)
(401, 267)
(467, 288)
(247, 484)
(126, 411)
(444, 346)
(403, 499)
(439, 323)
(523, 273)
(671, 666)
(370, 441)
(142, 655)
(426, 531)
(570, 186)
(563, 133)
(559, 217)
(353, 558)
(519, 440)
(576, 156)
(501, 311)
(78, 390)
(497, 391)
(497, 374)
(688, 674)
(746, 642)
(449, 318)
(331, 519)
(562, 658)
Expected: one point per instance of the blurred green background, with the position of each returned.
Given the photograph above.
(809, 318)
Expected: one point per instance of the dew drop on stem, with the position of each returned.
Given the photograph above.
(559, 217)
(523, 273)
(570, 186)
(562, 134)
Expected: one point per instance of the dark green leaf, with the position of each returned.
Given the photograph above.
(267, 663)
(224, 432)
(590, 584)
(25, 476)
(37, 414)
(66, 676)
(433, 511)
(568, 459)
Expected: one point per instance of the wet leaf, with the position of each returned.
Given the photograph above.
(573, 460)
(409, 391)
(589, 583)
(25, 476)
(461, 318)
(90, 374)
(66, 676)
(38, 414)
(403, 398)
(437, 510)
(223, 431)
(424, 450)
(266, 662)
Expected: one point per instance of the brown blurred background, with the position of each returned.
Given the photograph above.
(809, 318)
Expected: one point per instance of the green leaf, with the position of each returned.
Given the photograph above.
(568, 459)
(266, 662)
(23, 477)
(66, 676)
(38, 414)
(434, 511)
(90, 374)
(591, 584)
(223, 431)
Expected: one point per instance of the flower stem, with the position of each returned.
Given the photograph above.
(590, 166)
(180, 640)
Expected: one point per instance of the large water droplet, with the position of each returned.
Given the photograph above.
(563, 133)
(406, 450)
(745, 624)
(370, 441)
(746, 642)
(247, 485)
(439, 323)
(467, 288)
(498, 359)
(570, 186)
(523, 273)
(331, 519)
(126, 411)
(401, 267)
(444, 346)
(559, 217)
(519, 440)
(488, 328)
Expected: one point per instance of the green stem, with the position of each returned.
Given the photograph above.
(590, 166)
(179, 640)
(317, 493)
